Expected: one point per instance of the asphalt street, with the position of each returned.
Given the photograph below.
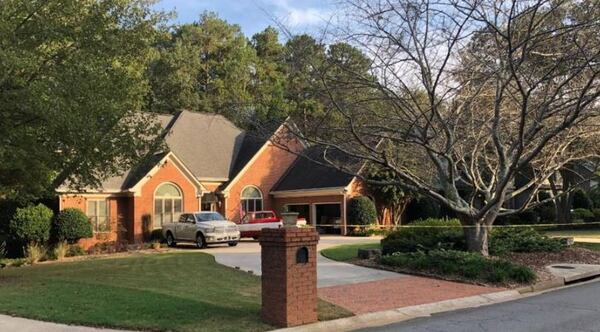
(573, 309)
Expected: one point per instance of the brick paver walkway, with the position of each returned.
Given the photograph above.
(393, 293)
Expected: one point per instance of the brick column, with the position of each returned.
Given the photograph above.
(289, 276)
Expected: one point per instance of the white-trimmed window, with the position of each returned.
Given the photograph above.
(251, 199)
(97, 211)
(168, 204)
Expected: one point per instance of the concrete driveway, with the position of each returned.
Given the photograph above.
(246, 256)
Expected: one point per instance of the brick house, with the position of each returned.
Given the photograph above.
(211, 165)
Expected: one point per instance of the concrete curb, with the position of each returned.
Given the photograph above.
(542, 286)
(581, 276)
(401, 314)
(558, 282)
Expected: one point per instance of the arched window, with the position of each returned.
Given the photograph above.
(251, 199)
(168, 204)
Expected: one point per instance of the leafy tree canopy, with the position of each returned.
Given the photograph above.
(72, 76)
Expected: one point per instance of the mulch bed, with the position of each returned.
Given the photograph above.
(374, 264)
(539, 260)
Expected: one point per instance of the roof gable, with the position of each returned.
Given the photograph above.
(207, 143)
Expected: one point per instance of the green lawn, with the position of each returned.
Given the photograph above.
(349, 251)
(588, 245)
(593, 233)
(174, 291)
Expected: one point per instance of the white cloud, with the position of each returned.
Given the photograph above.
(294, 15)
(309, 16)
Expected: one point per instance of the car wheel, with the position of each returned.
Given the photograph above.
(200, 242)
(232, 244)
(171, 240)
(255, 238)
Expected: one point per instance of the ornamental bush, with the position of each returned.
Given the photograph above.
(71, 225)
(583, 215)
(30, 225)
(595, 197)
(425, 235)
(460, 264)
(581, 200)
(362, 211)
(522, 239)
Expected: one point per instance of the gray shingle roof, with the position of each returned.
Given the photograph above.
(206, 143)
(307, 173)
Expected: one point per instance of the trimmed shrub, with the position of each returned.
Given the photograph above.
(527, 217)
(581, 200)
(522, 239)
(362, 211)
(422, 208)
(71, 225)
(425, 235)
(547, 214)
(596, 213)
(595, 197)
(30, 224)
(466, 265)
(583, 215)
(75, 250)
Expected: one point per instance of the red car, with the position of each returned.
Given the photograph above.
(253, 222)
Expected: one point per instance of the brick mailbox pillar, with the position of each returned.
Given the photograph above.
(289, 276)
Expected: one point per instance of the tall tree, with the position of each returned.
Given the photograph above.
(469, 96)
(269, 80)
(206, 66)
(71, 79)
(303, 56)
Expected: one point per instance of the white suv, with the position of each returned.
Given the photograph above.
(202, 228)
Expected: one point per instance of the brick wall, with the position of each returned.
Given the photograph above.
(264, 172)
(119, 216)
(144, 204)
(126, 213)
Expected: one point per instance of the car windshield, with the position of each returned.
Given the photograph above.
(209, 216)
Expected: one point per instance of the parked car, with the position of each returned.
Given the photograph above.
(202, 228)
(253, 222)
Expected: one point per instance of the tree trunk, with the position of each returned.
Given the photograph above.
(477, 238)
(563, 209)
(476, 234)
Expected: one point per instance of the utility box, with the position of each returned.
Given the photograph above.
(289, 276)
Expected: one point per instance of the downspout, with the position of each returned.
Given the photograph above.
(344, 214)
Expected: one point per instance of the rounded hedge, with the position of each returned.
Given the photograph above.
(425, 235)
(30, 224)
(71, 225)
(583, 215)
(581, 200)
(362, 211)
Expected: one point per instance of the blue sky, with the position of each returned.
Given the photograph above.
(255, 15)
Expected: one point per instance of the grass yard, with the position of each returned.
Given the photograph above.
(348, 252)
(588, 245)
(583, 233)
(174, 292)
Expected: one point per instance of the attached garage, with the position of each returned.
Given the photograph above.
(329, 217)
(325, 212)
(319, 192)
